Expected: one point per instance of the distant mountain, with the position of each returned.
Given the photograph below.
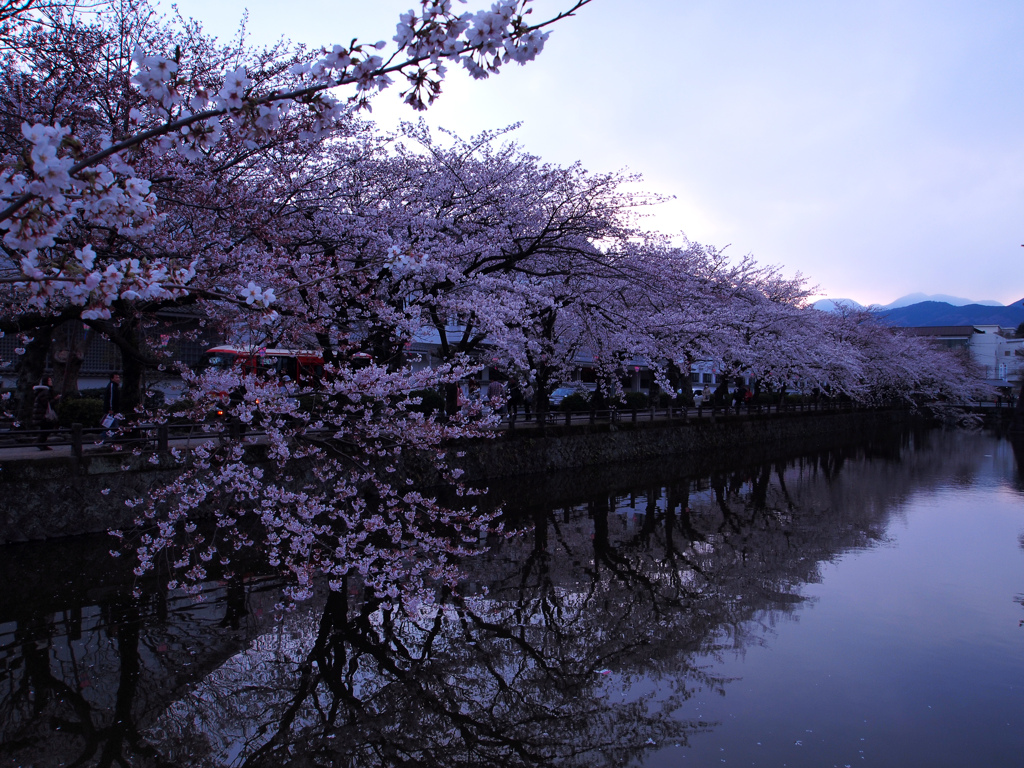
(920, 298)
(944, 313)
(829, 305)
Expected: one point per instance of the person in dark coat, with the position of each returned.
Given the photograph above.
(44, 400)
(496, 395)
(112, 396)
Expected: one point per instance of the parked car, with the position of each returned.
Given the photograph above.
(555, 398)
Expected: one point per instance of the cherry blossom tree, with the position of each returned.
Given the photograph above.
(884, 365)
(148, 167)
(507, 237)
(100, 109)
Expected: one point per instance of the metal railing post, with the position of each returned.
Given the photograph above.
(76, 440)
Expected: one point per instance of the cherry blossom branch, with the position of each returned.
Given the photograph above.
(375, 76)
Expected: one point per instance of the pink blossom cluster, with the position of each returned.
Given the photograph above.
(58, 188)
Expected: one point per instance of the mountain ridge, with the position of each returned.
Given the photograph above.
(829, 305)
(942, 313)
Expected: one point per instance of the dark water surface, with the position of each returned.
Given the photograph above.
(851, 607)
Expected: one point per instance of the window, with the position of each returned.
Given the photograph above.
(695, 377)
(708, 378)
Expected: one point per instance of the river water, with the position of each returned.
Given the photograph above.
(858, 606)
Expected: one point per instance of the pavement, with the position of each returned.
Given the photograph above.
(16, 445)
(21, 445)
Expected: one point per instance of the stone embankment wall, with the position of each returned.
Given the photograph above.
(49, 497)
(526, 452)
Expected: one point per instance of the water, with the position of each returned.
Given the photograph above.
(852, 607)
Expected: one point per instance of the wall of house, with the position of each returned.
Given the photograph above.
(1000, 356)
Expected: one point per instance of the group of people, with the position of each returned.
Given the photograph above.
(44, 411)
(736, 399)
(494, 398)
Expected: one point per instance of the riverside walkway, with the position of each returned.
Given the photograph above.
(78, 442)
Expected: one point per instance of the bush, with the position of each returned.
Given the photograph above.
(665, 399)
(308, 401)
(432, 401)
(636, 400)
(575, 402)
(87, 411)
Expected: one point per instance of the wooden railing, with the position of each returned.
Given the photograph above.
(161, 437)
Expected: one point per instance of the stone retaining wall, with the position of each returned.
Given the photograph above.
(526, 452)
(49, 497)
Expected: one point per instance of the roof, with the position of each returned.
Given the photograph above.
(942, 331)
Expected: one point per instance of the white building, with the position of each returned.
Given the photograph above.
(996, 350)
(999, 353)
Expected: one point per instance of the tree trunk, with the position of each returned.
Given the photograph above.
(31, 367)
(70, 343)
(132, 382)
(133, 375)
(451, 398)
(1018, 412)
(540, 394)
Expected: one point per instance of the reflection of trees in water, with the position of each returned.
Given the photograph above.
(79, 685)
(578, 653)
(470, 681)
(1018, 453)
(1017, 445)
(569, 645)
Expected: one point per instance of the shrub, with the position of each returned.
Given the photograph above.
(636, 400)
(87, 411)
(575, 402)
(308, 400)
(432, 401)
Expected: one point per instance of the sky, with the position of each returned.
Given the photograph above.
(876, 147)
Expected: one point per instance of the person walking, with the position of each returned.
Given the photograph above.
(496, 395)
(112, 399)
(44, 417)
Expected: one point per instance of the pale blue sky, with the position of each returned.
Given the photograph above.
(877, 147)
